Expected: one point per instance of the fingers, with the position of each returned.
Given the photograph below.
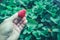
(22, 23)
(25, 21)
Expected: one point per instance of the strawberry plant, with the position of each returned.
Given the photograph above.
(43, 18)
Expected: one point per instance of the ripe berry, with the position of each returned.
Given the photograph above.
(22, 13)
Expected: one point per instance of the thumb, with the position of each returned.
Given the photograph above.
(10, 19)
(21, 14)
(13, 16)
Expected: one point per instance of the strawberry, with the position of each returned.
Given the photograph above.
(22, 13)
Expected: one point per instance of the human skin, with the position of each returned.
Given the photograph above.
(9, 30)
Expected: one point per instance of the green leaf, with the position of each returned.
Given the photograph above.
(55, 30)
(28, 37)
(58, 36)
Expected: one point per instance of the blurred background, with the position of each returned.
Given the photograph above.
(43, 18)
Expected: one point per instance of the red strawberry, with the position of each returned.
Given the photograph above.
(22, 13)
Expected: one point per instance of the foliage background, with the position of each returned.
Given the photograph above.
(43, 17)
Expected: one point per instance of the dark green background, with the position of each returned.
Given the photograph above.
(43, 18)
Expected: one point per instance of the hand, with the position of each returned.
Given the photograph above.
(11, 27)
